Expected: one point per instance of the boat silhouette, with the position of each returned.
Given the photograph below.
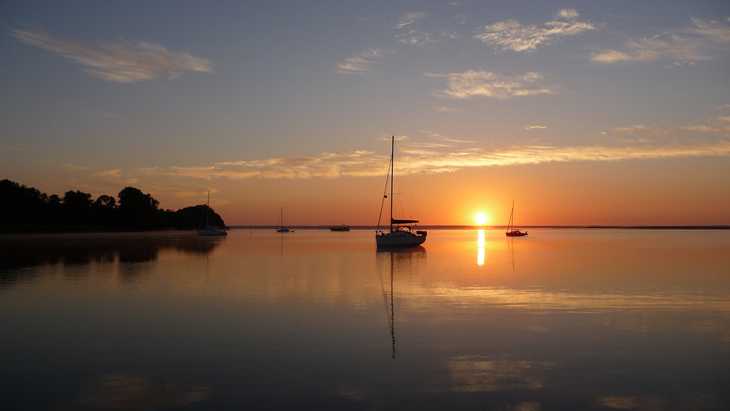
(511, 230)
(401, 232)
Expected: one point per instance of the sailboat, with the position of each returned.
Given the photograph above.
(511, 230)
(209, 230)
(401, 232)
(281, 228)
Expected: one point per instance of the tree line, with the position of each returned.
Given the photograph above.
(27, 209)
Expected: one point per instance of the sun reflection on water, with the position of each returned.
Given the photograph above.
(481, 247)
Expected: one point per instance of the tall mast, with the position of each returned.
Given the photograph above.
(511, 216)
(281, 220)
(392, 175)
(206, 210)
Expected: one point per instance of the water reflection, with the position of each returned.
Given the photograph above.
(232, 325)
(129, 392)
(481, 247)
(398, 261)
(19, 254)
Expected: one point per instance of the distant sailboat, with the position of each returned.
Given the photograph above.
(340, 227)
(281, 228)
(511, 230)
(401, 231)
(209, 230)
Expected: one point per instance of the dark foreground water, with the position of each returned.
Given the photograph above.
(564, 319)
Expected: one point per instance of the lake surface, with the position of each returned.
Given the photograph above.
(563, 319)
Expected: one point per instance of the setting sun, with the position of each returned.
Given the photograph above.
(481, 218)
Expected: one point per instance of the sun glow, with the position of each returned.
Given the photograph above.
(481, 218)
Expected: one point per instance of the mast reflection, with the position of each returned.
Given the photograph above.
(397, 259)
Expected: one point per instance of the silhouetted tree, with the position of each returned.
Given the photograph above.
(77, 207)
(105, 211)
(26, 209)
(137, 209)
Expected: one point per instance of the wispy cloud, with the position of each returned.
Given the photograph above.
(568, 14)
(435, 157)
(682, 47)
(680, 50)
(531, 127)
(408, 33)
(409, 19)
(445, 109)
(713, 30)
(119, 62)
(474, 83)
(360, 62)
(515, 36)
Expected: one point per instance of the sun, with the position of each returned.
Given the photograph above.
(481, 218)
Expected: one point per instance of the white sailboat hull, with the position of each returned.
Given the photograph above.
(399, 239)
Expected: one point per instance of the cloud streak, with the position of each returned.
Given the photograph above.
(360, 62)
(682, 47)
(473, 83)
(515, 36)
(119, 62)
(442, 156)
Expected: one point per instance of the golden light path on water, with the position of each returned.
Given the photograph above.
(481, 247)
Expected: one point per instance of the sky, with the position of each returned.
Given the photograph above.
(582, 112)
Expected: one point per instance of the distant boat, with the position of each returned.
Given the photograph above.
(401, 232)
(281, 228)
(340, 227)
(209, 230)
(511, 230)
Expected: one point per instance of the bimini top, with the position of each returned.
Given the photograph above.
(401, 221)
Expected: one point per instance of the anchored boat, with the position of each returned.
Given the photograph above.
(208, 230)
(511, 230)
(401, 232)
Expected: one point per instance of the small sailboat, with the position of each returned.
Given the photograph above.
(340, 227)
(209, 230)
(402, 232)
(511, 230)
(281, 228)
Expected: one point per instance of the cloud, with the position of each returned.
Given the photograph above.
(513, 35)
(444, 109)
(414, 37)
(677, 48)
(119, 62)
(360, 62)
(409, 19)
(703, 128)
(112, 173)
(535, 127)
(568, 14)
(716, 31)
(687, 46)
(473, 83)
(436, 156)
(408, 32)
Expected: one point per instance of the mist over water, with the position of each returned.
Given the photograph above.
(564, 319)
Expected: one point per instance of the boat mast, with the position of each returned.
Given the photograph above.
(281, 219)
(511, 216)
(392, 175)
(206, 210)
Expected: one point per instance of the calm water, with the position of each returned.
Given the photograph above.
(564, 319)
